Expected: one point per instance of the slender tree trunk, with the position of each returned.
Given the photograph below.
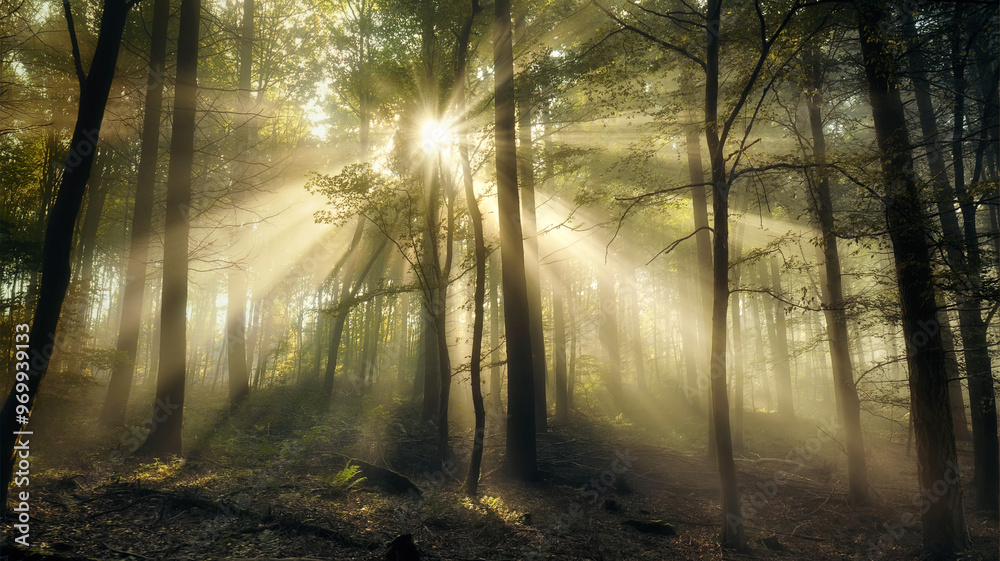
(340, 319)
(120, 385)
(835, 307)
(779, 342)
(640, 361)
(738, 377)
(978, 365)
(479, 294)
(532, 271)
(236, 295)
(955, 390)
(700, 337)
(732, 535)
(943, 520)
(441, 324)
(404, 339)
(559, 343)
(96, 196)
(168, 409)
(608, 333)
(495, 398)
(944, 197)
(762, 307)
(520, 461)
(689, 341)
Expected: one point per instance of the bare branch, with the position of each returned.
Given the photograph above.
(657, 40)
(76, 45)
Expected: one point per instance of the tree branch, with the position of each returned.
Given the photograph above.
(76, 45)
(669, 46)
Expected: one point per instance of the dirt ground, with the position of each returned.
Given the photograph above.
(262, 484)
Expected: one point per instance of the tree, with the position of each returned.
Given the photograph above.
(120, 384)
(520, 461)
(943, 520)
(961, 245)
(94, 89)
(168, 409)
(833, 289)
(733, 535)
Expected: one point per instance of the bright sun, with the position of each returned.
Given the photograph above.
(434, 135)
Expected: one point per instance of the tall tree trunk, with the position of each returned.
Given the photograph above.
(59, 233)
(168, 409)
(496, 399)
(479, 294)
(640, 361)
(943, 519)
(835, 307)
(97, 194)
(520, 460)
(689, 341)
(978, 365)
(404, 340)
(733, 535)
(441, 323)
(954, 379)
(531, 269)
(779, 340)
(608, 334)
(738, 376)
(340, 319)
(236, 295)
(559, 343)
(944, 197)
(701, 336)
(755, 306)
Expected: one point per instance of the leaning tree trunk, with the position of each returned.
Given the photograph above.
(168, 409)
(59, 235)
(943, 519)
(520, 460)
(835, 306)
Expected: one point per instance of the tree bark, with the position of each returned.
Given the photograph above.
(733, 534)
(496, 400)
(978, 365)
(640, 361)
(520, 461)
(531, 268)
(835, 307)
(479, 296)
(168, 409)
(944, 195)
(608, 334)
(559, 342)
(943, 519)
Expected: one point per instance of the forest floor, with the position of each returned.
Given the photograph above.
(268, 483)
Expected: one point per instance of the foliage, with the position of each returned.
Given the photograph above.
(344, 480)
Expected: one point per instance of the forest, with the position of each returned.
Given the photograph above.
(499, 280)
